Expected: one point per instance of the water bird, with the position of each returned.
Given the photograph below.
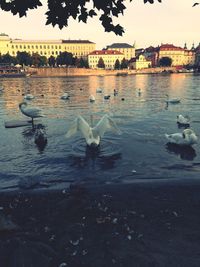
(29, 97)
(65, 96)
(40, 137)
(115, 92)
(92, 134)
(92, 98)
(139, 92)
(98, 90)
(31, 112)
(122, 99)
(1, 89)
(106, 97)
(183, 121)
(186, 138)
(172, 100)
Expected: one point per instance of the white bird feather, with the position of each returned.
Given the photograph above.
(92, 135)
(186, 138)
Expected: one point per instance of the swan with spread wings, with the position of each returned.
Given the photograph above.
(94, 134)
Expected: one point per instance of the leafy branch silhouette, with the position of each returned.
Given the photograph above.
(59, 11)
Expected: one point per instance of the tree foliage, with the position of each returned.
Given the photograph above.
(101, 63)
(24, 58)
(60, 11)
(117, 64)
(165, 62)
(124, 64)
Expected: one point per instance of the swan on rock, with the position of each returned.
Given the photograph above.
(92, 135)
(31, 112)
(186, 138)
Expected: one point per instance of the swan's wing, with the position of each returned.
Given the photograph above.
(34, 112)
(176, 138)
(105, 124)
(79, 124)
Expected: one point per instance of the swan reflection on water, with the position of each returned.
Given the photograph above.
(37, 134)
(185, 152)
(104, 156)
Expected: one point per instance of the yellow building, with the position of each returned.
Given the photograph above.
(126, 49)
(179, 55)
(109, 57)
(79, 48)
(140, 62)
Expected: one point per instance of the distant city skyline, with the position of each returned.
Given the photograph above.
(144, 24)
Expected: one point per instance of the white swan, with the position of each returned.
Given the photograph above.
(1, 89)
(92, 135)
(172, 100)
(65, 96)
(98, 90)
(31, 112)
(29, 97)
(186, 138)
(183, 121)
(92, 98)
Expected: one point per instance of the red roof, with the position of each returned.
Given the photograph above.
(170, 47)
(105, 52)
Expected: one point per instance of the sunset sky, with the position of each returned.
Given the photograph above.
(173, 21)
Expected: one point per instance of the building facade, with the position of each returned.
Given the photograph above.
(109, 57)
(126, 49)
(140, 62)
(180, 56)
(79, 48)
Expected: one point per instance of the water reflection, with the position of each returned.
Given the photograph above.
(36, 134)
(103, 156)
(185, 152)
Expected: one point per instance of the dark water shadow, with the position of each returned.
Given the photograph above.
(37, 134)
(103, 156)
(185, 152)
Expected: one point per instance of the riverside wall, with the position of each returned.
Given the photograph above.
(62, 72)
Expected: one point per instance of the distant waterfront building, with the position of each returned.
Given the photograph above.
(197, 56)
(152, 53)
(139, 62)
(124, 48)
(109, 57)
(79, 48)
(179, 55)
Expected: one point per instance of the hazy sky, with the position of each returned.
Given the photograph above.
(173, 21)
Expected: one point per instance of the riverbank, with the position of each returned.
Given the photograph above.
(63, 72)
(146, 224)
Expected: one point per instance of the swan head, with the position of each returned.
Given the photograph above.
(190, 135)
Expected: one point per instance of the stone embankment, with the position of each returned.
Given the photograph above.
(62, 72)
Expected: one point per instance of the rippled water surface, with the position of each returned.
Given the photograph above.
(140, 153)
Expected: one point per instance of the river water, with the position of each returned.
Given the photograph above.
(139, 154)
